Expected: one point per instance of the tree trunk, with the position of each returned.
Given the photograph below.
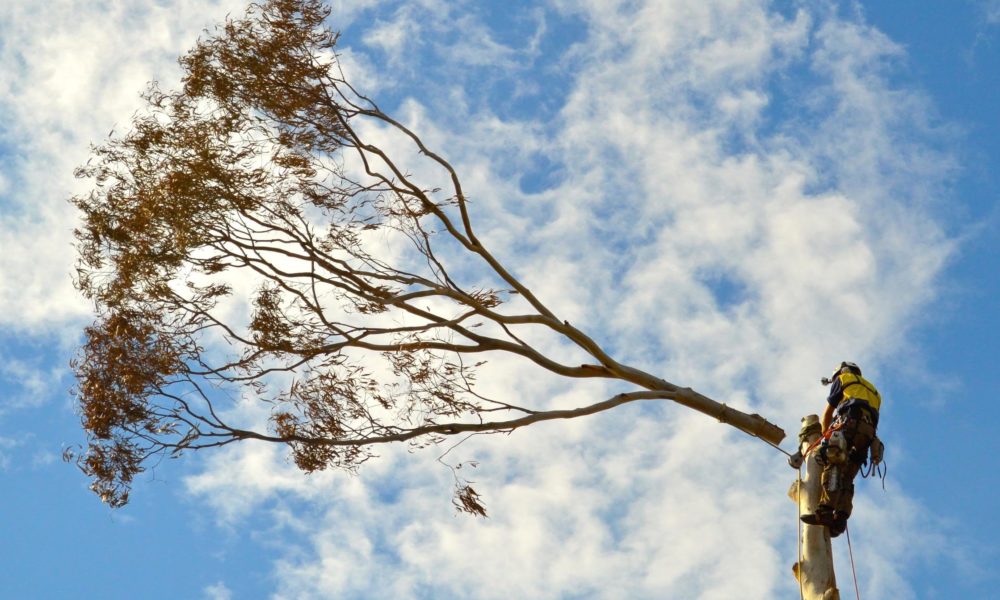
(814, 569)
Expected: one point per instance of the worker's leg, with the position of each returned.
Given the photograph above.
(823, 515)
(859, 434)
(842, 500)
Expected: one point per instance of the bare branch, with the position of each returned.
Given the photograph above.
(366, 325)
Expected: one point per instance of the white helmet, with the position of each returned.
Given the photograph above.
(849, 366)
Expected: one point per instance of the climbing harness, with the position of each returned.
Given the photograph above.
(835, 427)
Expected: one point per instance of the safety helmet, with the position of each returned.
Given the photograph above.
(849, 366)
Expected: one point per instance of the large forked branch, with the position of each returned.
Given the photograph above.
(374, 300)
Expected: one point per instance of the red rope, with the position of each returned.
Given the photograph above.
(826, 435)
(850, 551)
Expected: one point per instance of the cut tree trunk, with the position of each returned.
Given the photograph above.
(814, 569)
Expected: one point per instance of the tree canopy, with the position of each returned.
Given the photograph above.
(249, 236)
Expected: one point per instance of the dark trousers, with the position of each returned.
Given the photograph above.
(837, 492)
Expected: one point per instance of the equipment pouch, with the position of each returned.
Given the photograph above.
(877, 450)
(836, 448)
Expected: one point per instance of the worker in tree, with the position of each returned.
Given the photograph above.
(849, 425)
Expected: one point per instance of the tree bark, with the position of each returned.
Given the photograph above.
(752, 424)
(814, 569)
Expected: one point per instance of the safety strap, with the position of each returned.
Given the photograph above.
(862, 384)
(838, 424)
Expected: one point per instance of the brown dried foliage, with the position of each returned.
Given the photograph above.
(467, 500)
(245, 174)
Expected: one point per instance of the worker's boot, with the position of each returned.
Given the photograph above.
(838, 524)
(822, 516)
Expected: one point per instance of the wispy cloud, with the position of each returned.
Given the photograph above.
(704, 220)
(28, 384)
(6, 445)
(72, 71)
(218, 591)
(991, 11)
(702, 226)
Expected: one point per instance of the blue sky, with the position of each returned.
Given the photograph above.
(952, 54)
(735, 195)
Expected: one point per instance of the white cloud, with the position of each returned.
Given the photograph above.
(991, 11)
(392, 37)
(431, 40)
(7, 444)
(678, 173)
(28, 384)
(43, 458)
(73, 69)
(218, 591)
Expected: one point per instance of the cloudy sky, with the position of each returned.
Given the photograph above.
(733, 194)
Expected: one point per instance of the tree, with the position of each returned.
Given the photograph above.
(814, 568)
(262, 168)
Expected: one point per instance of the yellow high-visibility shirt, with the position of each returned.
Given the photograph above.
(858, 388)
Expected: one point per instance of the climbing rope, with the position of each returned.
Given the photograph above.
(798, 521)
(775, 446)
(798, 531)
(881, 470)
(798, 517)
(850, 552)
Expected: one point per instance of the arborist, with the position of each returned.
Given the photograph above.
(849, 424)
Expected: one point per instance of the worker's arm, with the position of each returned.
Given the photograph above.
(827, 417)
